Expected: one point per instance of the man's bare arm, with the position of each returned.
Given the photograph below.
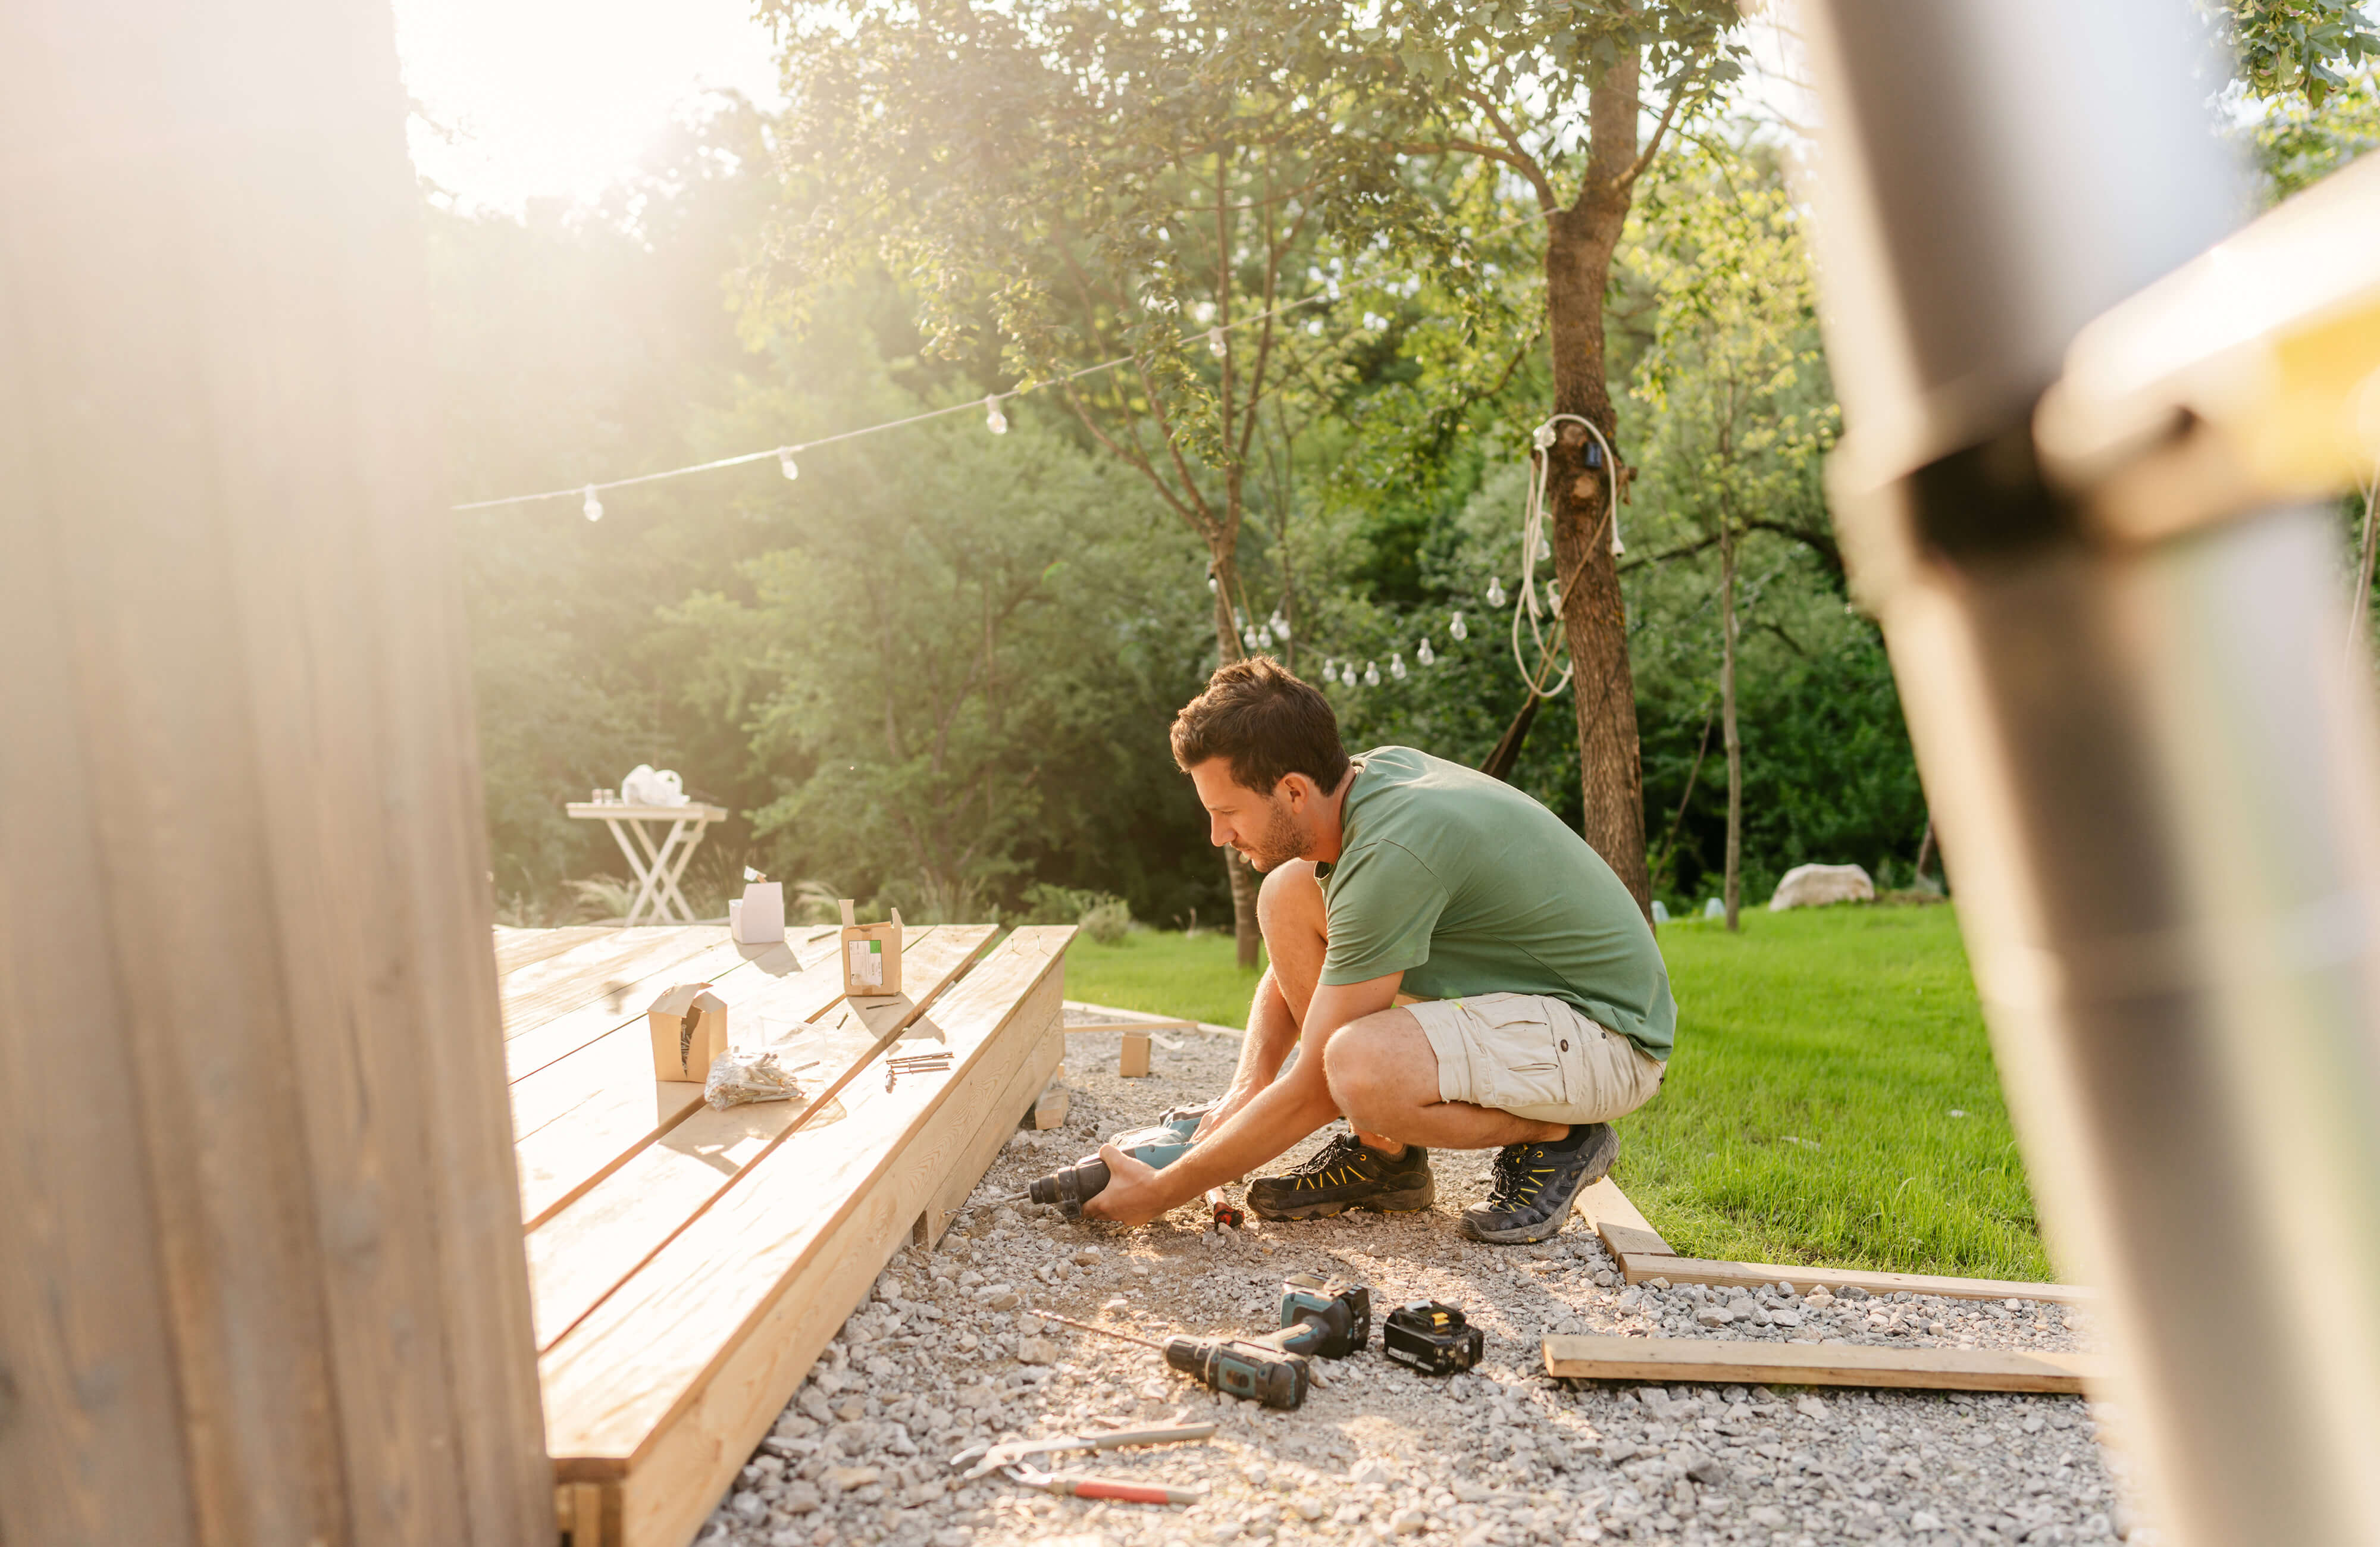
(1272, 1031)
(1274, 1119)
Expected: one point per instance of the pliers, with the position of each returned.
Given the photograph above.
(1010, 1460)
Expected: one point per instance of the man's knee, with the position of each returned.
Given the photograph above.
(1290, 899)
(1369, 1068)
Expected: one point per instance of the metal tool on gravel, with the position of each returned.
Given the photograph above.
(980, 1460)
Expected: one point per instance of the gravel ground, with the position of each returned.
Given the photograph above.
(945, 1355)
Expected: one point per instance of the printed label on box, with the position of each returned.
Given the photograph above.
(868, 962)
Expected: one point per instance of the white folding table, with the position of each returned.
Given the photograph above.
(658, 867)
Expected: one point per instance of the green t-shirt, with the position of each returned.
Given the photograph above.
(1468, 886)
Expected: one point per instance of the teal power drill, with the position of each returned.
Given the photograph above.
(1071, 1187)
(1326, 1318)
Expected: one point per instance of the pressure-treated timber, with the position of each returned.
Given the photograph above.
(261, 1271)
(517, 948)
(661, 1392)
(580, 1117)
(529, 1048)
(537, 992)
(595, 1242)
(1751, 1276)
(1818, 1364)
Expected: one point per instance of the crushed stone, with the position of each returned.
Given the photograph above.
(945, 1354)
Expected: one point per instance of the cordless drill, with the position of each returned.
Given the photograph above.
(1070, 1187)
(1251, 1369)
(1326, 1317)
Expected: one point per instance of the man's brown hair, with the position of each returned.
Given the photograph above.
(1266, 722)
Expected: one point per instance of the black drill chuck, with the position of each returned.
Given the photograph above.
(1070, 1187)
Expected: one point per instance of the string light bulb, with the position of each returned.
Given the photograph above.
(1545, 549)
(1460, 629)
(1371, 675)
(785, 463)
(1553, 597)
(1215, 345)
(993, 420)
(1422, 654)
(593, 508)
(1212, 584)
(1397, 665)
(1280, 625)
(1495, 590)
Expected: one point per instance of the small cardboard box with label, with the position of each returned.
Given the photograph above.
(871, 956)
(689, 1025)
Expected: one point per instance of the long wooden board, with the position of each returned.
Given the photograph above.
(664, 1386)
(536, 994)
(1818, 1364)
(578, 1118)
(589, 1246)
(1748, 1275)
(627, 1001)
(515, 948)
(1643, 1255)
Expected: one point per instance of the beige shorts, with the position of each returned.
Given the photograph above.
(1534, 1057)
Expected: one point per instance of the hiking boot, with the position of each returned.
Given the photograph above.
(1346, 1173)
(1536, 1184)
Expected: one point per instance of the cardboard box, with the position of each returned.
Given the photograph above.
(689, 1026)
(759, 918)
(872, 956)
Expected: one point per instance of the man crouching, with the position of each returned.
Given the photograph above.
(1456, 967)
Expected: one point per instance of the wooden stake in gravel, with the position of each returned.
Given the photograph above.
(1818, 1364)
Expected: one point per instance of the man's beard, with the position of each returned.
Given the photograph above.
(1276, 844)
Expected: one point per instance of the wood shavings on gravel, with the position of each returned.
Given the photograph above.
(944, 1356)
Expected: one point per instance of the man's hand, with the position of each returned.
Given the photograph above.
(1131, 1196)
(1223, 1111)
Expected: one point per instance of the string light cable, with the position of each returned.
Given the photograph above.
(994, 420)
(1526, 606)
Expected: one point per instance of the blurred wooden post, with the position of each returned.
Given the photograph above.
(261, 1278)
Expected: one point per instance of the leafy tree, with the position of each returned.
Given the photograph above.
(1078, 185)
(1551, 97)
(1726, 381)
(2296, 47)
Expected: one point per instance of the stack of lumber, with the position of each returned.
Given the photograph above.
(687, 1266)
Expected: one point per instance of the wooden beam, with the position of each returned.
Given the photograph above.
(261, 1274)
(580, 1117)
(672, 1380)
(1113, 1025)
(590, 1245)
(1625, 1231)
(1818, 1364)
(601, 1014)
(1751, 1276)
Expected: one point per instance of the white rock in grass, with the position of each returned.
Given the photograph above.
(1818, 885)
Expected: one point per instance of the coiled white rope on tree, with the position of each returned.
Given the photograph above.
(1532, 537)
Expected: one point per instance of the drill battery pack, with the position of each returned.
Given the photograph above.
(1431, 1337)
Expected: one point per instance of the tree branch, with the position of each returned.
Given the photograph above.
(1521, 157)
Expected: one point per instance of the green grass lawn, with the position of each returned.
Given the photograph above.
(1807, 1114)
(1164, 973)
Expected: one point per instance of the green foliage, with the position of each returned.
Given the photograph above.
(2299, 47)
(2297, 143)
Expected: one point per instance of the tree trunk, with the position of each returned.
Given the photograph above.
(1727, 722)
(1579, 246)
(1237, 872)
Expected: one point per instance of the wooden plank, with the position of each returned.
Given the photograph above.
(1624, 1230)
(600, 971)
(1130, 1026)
(515, 948)
(591, 1244)
(568, 1032)
(260, 1276)
(995, 1129)
(710, 1338)
(686, 1464)
(1750, 1275)
(1819, 1364)
(579, 1117)
(1051, 1106)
